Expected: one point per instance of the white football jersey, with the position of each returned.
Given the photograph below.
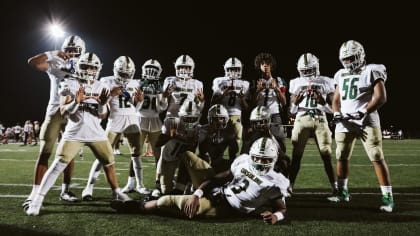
(248, 191)
(58, 70)
(232, 102)
(83, 125)
(324, 85)
(182, 90)
(356, 90)
(122, 113)
(268, 97)
(153, 103)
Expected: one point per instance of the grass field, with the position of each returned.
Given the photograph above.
(308, 211)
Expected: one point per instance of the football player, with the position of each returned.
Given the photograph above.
(58, 64)
(215, 137)
(232, 92)
(270, 92)
(360, 92)
(122, 120)
(310, 97)
(249, 187)
(84, 101)
(183, 86)
(151, 103)
(260, 124)
(179, 134)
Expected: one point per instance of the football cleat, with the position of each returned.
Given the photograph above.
(387, 203)
(128, 188)
(87, 194)
(33, 209)
(120, 196)
(155, 194)
(68, 196)
(340, 196)
(142, 190)
(26, 204)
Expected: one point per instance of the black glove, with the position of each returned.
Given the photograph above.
(359, 115)
(338, 117)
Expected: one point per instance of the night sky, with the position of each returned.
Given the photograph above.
(210, 33)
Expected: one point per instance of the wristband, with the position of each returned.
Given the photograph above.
(72, 107)
(279, 215)
(337, 113)
(199, 193)
(293, 108)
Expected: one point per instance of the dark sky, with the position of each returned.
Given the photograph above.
(210, 33)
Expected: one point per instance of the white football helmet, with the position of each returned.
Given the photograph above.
(189, 114)
(233, 68)
(124, 69)
(353, 51)
(218, 116)
(260, 118)
(74, 45)
(308, 66)
(184, 67)
(151, 70)
(263, 154)
(89, 67)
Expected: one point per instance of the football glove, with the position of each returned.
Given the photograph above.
(338, 117)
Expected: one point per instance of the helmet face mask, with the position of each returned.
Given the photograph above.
(352, 55)
(124, 69)
(88, 67)
(233, 68)
(218, 116)
(308, 66)
(260, 118)
(184, 67)
(189, 115)
(151, 70)
(74, 46)
(263, 155)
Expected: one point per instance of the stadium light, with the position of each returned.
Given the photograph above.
(56, 32)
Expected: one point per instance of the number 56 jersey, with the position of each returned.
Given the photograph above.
(249, 191)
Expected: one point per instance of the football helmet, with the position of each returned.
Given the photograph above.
(354, 52)
(151, 70)
(263, 154)
(308, 66)
(260, 118)
(124, 69)
(233, 68)
(218, 116)
(89, 67)
(74, 45)
(184, 67)
(189, 114)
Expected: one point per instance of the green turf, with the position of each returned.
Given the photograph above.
(308, 211)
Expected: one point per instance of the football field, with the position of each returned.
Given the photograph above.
(309, 213)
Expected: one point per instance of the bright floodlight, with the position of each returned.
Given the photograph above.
(56, 31)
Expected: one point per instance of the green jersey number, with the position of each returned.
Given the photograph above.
(349, 90)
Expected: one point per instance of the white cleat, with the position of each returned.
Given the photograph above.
(156, 193)
(33, 210)
(121, 196)
(128, 188)
(142, 190)
(87, 194)
(68, 196)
